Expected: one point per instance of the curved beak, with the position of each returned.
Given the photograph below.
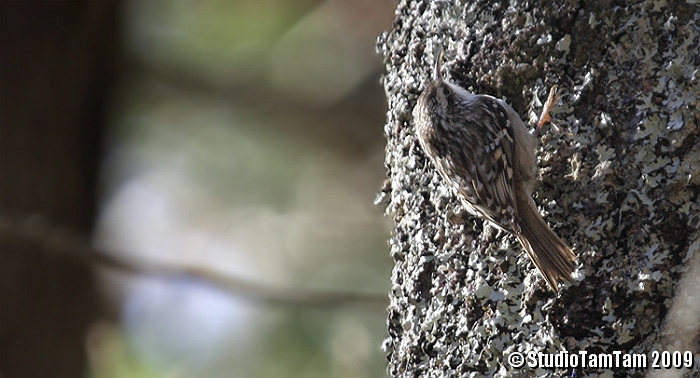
(437, 70)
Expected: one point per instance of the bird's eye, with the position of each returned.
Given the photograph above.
(445, 91)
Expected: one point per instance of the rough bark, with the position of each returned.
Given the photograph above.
(619, 183)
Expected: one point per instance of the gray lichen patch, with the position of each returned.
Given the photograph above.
(619, 183)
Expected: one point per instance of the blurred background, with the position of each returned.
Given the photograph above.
(226, 154)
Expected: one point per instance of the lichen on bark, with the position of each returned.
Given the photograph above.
(619, 183)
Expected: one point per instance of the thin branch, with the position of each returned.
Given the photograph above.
(62, 242)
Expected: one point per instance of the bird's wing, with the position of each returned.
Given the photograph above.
(480, 168)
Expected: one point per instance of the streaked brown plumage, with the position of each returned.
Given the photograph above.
(484, 152)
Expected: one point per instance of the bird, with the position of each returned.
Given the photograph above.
(485, 154)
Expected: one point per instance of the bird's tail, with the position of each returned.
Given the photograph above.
(549, 253)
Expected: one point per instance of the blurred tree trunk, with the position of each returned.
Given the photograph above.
(619, 183)
(58, 61)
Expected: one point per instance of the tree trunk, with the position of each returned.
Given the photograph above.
(59, 61)
(619, 183)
